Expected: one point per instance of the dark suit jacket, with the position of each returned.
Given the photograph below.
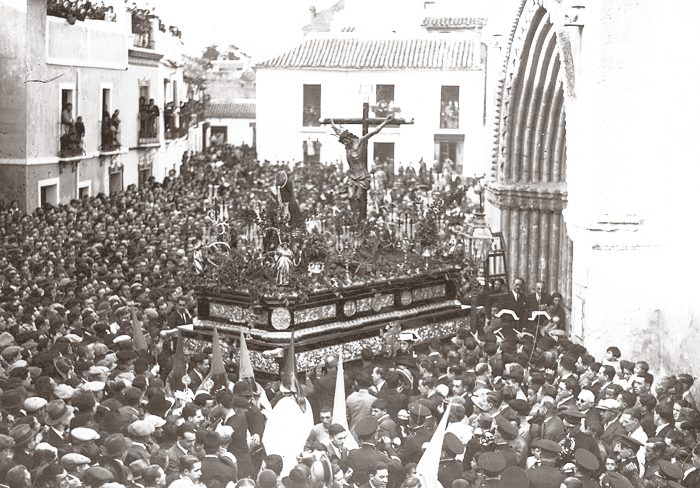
(174, 319)
(517, 306)
(214, 468)
(662, 433)
(534, 305)
(593, 422)
(612, 432)
(395, 399)
(448, 471)
(361, 459)
(172, 472)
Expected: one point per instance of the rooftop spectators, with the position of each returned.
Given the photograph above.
(80, 10)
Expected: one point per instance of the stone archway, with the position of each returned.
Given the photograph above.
(527, 189)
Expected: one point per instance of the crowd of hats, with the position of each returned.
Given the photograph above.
(75, 394)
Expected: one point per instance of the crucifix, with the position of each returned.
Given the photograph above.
(356, 152)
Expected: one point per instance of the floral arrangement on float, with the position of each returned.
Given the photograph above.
(270, 248)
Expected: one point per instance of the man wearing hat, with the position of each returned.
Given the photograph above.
(419, 431)
(58, 417)
(612, 428)
(361, 459)
(139, 432)
(96, 476)
(491, 465)
(626, 448)
(587, 466)
(75, 465)
(239, 439)
(546, 475)
(23, 435)
(449, 468)
(575, 438)
(113, 454)
(255, 421)
(505, 438)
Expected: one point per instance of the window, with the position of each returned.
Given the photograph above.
(144, 175)
(385, 101)
(71, 125)
(84, 189)
(48, 191)
(312, 151)
(106, 101)
(312, 105)
(144, 93)
(449, 107)
(175, 94)
(67, 109)
(449, 150)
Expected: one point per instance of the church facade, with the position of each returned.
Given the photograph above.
(594, 132)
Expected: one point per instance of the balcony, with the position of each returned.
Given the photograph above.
(449, 115)
(71, 142)
(149, 129)
(384, 109)
(110, 135)
(142, 29)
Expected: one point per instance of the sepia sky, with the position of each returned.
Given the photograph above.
(261, 28)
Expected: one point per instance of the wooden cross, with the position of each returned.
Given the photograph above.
(366, 121)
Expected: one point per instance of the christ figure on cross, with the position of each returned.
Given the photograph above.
(358, 176)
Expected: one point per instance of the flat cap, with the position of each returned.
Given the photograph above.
(571, 413)
(609, 404)
(74, 459)
(84, 434)
(64, 392)
(10, 352)
(32, 404)
(366, 426)
(155, 420)
(6, 441)
(141, 428)
(97, 474)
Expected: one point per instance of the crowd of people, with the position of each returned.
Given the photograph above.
(72, 133)
(514, 402)
(109, 131)
(81, 10)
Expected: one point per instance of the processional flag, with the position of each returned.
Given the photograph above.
(140, 346)
(427, 469)
(179, 367)
(339, 406)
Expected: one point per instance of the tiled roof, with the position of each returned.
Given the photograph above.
(453, 22)
(379, 54)
(231, 110)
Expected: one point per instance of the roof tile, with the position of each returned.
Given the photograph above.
(378, 54)
(231, 110)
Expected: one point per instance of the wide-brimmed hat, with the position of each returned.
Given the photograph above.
(22, 434)
(11, 400)
(114, 446)
(57, 411)
(298, 478)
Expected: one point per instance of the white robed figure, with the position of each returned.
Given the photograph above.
(287, 429)
(291, 420)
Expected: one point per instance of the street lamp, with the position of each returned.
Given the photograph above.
(480, 239)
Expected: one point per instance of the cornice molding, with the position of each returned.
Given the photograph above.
(550, 197)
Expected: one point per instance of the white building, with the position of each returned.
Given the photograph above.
(435, 79)
(231, 122)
